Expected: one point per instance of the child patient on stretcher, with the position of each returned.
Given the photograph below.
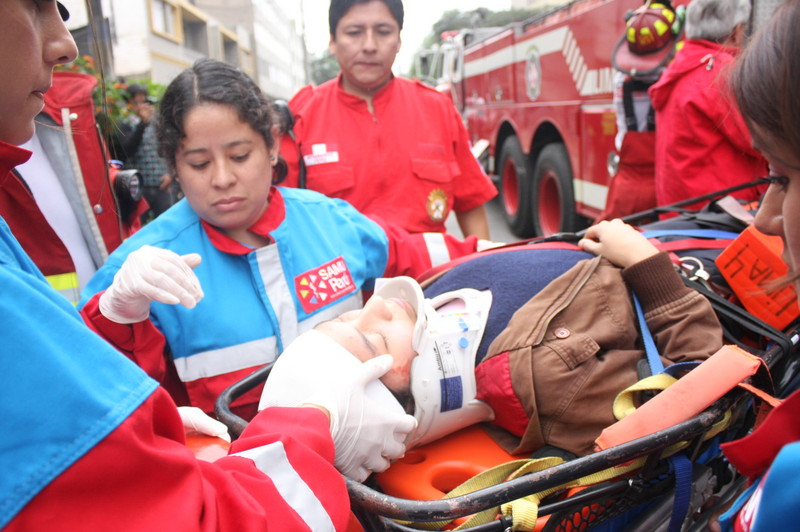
(548, 375)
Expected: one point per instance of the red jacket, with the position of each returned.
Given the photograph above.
(408, 163)
(69, 106)
(702, 143)
(143, 477)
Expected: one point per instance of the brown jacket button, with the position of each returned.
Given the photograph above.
(562, 332)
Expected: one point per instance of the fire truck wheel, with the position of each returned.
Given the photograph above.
(514, 187)
(553, 198)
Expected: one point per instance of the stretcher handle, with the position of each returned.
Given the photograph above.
(222, 406)
(381, 504)
(633, 218)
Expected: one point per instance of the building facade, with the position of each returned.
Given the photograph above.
(158, 39)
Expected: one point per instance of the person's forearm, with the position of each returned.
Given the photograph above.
(474, 222)
(141, 342)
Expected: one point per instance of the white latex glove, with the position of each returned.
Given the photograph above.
(368, 425)
(367, 435)
(195, 419)
(151, 274)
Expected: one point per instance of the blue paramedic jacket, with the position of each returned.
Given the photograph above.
(64, 389)
(323, 253)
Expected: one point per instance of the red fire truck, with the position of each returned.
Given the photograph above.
(538, 94)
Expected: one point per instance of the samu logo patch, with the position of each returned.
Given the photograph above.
(322, 285)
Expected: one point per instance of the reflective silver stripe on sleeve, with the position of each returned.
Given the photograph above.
(272, 461)
(437, 248)
(251, 354)
(262, 351)
(279, 292)
(226, 359)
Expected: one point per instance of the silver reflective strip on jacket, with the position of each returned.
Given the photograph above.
(437, 248)
(226, 359)
(255, 353)
(272, 461)
(76, 167)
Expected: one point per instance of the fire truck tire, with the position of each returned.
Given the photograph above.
(553, 199)
(514, 187)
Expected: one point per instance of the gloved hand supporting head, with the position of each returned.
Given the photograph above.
(368, 425)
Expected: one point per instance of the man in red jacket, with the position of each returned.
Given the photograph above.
(389, 146)
(702, 144)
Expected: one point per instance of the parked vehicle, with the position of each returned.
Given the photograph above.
(538, 95)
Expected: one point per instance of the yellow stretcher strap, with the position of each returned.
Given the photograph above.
(490, 477)
(524, 512)
(624, 403)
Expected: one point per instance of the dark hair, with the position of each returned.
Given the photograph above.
(133, 89)
(212, 81)
(339, 8)
(766, 79)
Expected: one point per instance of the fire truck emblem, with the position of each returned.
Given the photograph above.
(322, 285)
(437, 205)
(533, 74)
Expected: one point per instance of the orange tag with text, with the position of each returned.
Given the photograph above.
(752, 260)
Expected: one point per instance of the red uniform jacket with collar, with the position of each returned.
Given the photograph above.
(409, 162)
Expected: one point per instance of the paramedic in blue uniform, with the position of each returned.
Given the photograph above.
(387, 145)
(90, 442)
(275, 261)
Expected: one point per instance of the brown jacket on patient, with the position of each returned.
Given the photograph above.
(552, 375)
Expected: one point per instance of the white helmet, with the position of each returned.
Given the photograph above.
(447, 333)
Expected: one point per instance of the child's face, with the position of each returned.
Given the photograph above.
(33, 39)
(382, 326)
(779, 213)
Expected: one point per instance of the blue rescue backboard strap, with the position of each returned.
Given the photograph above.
(682, 469)
(681, 466)
(650, 349)
(691, 233)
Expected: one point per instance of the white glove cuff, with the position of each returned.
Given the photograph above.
(107, 309)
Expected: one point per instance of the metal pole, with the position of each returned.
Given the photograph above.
(306, 63)
(101, 38)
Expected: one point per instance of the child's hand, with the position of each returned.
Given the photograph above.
(618, 242)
